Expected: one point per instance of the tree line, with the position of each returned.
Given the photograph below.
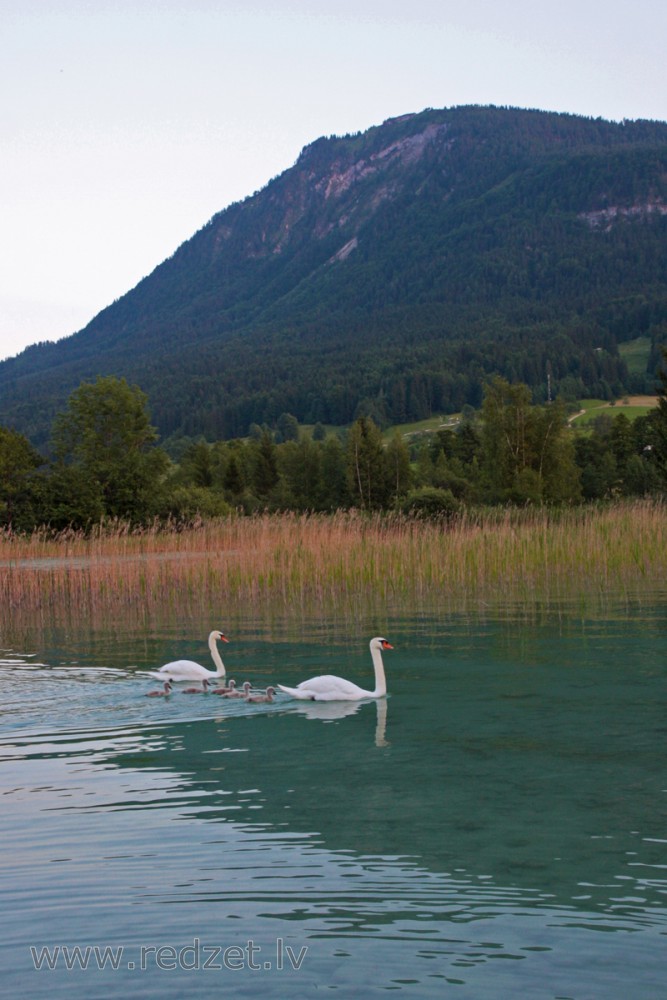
(106, 463)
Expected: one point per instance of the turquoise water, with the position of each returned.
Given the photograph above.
(496, 827)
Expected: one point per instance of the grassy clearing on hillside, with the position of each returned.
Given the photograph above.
(630, 406)
(636, 354)
(429, 426)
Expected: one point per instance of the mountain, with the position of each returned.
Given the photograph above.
(393, 271)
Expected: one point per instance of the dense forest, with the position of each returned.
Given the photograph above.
(391, 275)
(107, 465)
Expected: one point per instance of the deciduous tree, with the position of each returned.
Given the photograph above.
(18, 459)
(106, 433)
(366, 465)
(526, 451)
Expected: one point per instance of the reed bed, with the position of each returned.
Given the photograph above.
(332, 562)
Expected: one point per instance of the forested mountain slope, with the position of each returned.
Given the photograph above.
(392, 271)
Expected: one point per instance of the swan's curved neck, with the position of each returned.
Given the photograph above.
(380, 679)
(217, 659)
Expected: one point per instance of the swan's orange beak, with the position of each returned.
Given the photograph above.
(224, 637)
(387, 645)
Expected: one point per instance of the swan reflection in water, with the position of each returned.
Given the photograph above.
(332, 711)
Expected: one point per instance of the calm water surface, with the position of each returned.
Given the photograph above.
(495, 828)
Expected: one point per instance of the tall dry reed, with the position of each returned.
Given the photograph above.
(332, 562)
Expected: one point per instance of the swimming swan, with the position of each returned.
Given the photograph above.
(258, 699)
(328, 687)
(226, 688)
(160, 694)
(200, 689)
(188, 670)
(235, 693)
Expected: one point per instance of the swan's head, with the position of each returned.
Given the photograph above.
(380, 643)
(218, 636)
(270, 691)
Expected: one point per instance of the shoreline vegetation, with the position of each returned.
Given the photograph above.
(301, 562)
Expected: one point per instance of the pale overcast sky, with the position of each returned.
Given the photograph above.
(127, 124)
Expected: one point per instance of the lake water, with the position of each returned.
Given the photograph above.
(495, 828)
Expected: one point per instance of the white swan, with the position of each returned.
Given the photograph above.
(328, 687)
(188, 670)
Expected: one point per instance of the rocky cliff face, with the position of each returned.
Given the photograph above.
(604, 218)
(341, 192)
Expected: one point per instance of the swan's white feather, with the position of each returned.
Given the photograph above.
(329, 687)
(184, 670)
(188, 670)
